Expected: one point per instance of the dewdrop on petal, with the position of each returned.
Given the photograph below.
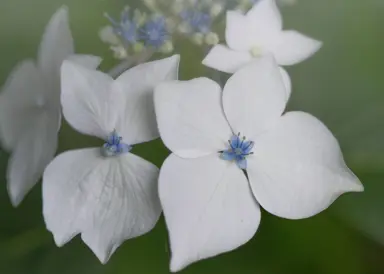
(212, 39)
(167, 47)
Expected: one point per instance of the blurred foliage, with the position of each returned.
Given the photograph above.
(342, 85)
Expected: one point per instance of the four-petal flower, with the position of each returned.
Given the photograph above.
(256, 34)
(107, 194)
(30, 112)
(210, 206)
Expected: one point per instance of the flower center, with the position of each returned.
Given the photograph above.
(256, 51)
(114, 146)
(238, 151)
(240, 148)
(154, 33)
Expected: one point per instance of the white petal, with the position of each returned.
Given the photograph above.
(224, 59)
(190, 117)
(208, 208)
(266, 15)
(18, 102)
(88, 61)
(298, 169)
(254, 97)
(33, 152)
(56, 45)
(287, 82)
(239, 33)
(137, 121)
(293, 47)
(89, 103)
(107, 200)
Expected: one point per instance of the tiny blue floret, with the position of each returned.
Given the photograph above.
(154, 33)
(114, 146)
(239, 149)
(126, 28)
(198, 21)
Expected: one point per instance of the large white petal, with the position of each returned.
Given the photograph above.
(287, 82)
(33, 152)
(137, 120)
(255, 97)
(260, 27)
(90, 105)
(292, 47)
(224, 59)
(266, 15)
(298, 169)
(107, 200)
(239, 33)
(208, 207)
(190, 117)
(88, 61)
(56, 45)
(19, 102)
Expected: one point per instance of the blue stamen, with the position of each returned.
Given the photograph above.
(198, 21)
(126, 28)
(154, 33)
(238, 151)
(114, 146)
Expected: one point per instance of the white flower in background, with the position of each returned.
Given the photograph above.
(30, 107)
(294, 164)
(107, 194)
(256, 34)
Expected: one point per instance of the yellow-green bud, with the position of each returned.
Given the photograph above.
(119, 52)
(256, 51)
(177, 7)
(107, 35)
(216, 9)
(167, 47)
(151, 4)
(138, 47)
(139, 17)
(198, 38)
(184, 28)
(212, 39)
(171, 24)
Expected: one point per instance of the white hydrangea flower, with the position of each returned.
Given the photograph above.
(30, 107)
(211, 189)
(107, 194)
(256, 34)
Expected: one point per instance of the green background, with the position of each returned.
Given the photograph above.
(343, 85)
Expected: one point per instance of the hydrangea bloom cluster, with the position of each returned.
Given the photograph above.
(165, 20)
(215, 181)
(135, 32)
